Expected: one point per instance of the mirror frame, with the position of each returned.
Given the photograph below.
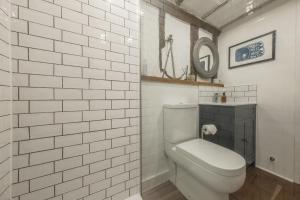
(204, 41)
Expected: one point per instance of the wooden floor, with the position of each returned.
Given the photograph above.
(166, 191)
(259, 185)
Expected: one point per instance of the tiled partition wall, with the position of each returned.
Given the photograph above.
(5, 102)
(76, 99)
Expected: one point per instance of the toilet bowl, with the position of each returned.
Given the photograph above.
(203, 170)
(216, 170)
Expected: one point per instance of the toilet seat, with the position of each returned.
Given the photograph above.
(212, 157)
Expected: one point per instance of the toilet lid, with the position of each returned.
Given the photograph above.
(213, 157)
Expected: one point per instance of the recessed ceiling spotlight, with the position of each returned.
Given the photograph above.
(250, 13)
(249, 6)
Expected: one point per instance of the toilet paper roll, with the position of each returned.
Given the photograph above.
(209, 129)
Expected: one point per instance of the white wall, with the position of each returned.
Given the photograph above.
(275, 81)
(154, 96)
(180, 31)
(297, 99)
(150, 40)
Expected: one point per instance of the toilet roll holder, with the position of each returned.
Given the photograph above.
(205, 131)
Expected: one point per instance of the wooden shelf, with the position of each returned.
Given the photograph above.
(182, 82)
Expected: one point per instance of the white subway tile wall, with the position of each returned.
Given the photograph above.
(238, 94)
(76, 99)
(5, 103)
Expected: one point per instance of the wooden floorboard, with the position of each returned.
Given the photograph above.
(166, 191)
(259, 185)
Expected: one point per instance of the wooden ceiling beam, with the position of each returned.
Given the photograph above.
(210, 12)
(179, 13)
(179, 2)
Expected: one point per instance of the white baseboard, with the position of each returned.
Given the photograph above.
(135, 197)
(155, 180)
(271, 172)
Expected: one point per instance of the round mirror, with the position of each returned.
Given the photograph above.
(206, 58)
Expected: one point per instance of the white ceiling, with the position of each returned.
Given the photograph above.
(221, 12)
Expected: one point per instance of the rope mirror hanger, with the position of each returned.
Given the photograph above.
(170, 54)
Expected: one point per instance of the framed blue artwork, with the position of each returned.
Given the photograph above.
(253, 51)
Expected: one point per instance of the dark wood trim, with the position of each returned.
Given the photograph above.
(179, 2)
(176, 11)
(182, 82)
(162, 36)
(191, 19)
(210, 12)
(193, 39)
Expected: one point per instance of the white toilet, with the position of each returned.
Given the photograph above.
(200, 169)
